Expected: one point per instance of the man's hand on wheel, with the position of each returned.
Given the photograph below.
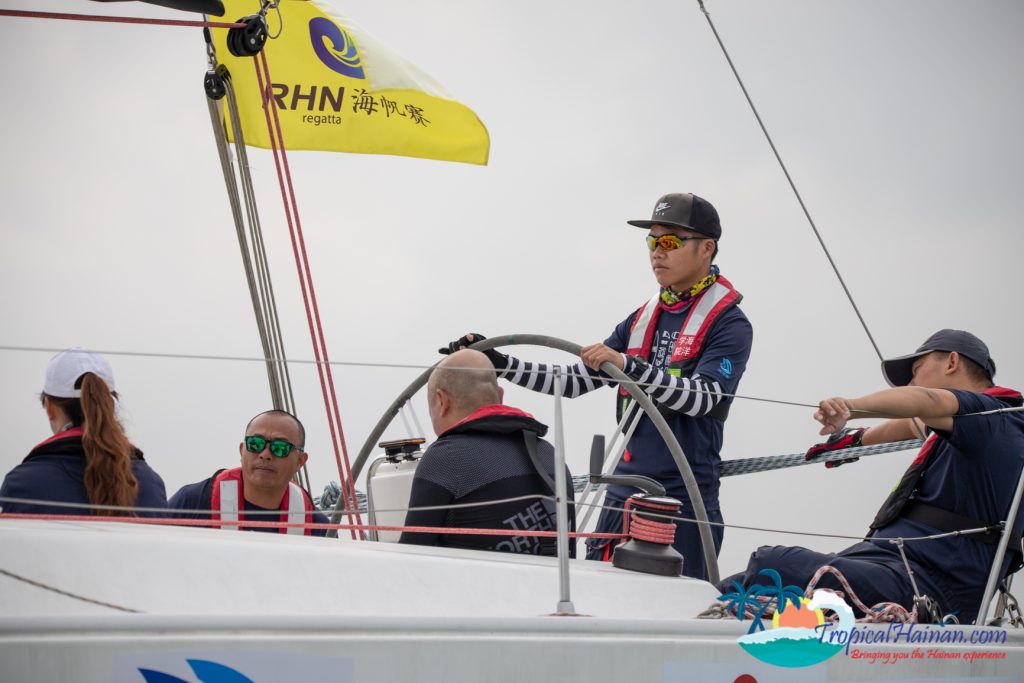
(462, 342)
(498, 360)
(595, 355)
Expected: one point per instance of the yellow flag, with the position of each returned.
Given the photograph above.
(338, 89)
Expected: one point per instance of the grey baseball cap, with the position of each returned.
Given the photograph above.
(684, 210)
(899, 371)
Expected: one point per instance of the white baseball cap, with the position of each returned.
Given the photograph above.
(67, 367)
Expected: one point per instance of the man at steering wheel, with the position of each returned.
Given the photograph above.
(687, 347)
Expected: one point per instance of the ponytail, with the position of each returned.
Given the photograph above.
(109, 479)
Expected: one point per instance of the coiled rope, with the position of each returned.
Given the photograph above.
(878, 613)
(765, 606)
(635, 524)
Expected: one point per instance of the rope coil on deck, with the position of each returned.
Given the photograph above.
(878, 613)
(765, 606)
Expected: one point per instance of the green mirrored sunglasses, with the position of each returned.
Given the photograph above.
(279, 448)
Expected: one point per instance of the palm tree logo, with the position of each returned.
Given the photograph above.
(775, 595)
(794, 638)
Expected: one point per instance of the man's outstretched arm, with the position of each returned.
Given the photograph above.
(893, 430)
(935, 407)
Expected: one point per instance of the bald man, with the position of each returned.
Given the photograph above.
(483, 453)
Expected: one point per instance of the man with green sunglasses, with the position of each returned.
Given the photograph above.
(262, 488)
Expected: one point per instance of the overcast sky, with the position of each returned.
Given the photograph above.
(900, 123)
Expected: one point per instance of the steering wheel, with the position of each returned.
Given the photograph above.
(710, 558)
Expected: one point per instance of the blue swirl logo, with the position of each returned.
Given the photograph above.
(342, 55)
(726, 368)
(206, 672)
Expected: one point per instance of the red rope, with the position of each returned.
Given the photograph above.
(165, 521)
(662, 533)
(117, 20)
(308, 291)
(312, 296)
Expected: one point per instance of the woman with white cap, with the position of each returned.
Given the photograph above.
(89, 459)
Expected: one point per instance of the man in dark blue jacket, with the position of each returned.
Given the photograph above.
(261, 489)
(687, 347)
(484, 452)
(964, 477)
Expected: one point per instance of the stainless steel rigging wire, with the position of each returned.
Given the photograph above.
(789, 179)
(266, 285)
(253, 250)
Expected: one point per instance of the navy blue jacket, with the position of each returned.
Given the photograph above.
(482, 459)
(723, 359)
(974, 474)
(199, 496)
(55, 470)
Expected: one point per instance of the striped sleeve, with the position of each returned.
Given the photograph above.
(693, 396)
(577, 379)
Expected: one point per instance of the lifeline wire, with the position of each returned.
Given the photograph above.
(729, 468)
(789, 179)
(411, 366)
(255, 513)
(725, 525)
(156, 521)
(497, 532)
(58, 591)
(353, 364)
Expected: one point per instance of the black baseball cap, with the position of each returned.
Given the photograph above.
(899, 371)
(684, 210)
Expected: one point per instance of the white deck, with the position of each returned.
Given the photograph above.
(170, 570)
(281, 608)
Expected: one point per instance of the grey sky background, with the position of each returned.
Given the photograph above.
(900, 122)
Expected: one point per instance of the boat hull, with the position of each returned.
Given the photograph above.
(119, 647)
(89, 601)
